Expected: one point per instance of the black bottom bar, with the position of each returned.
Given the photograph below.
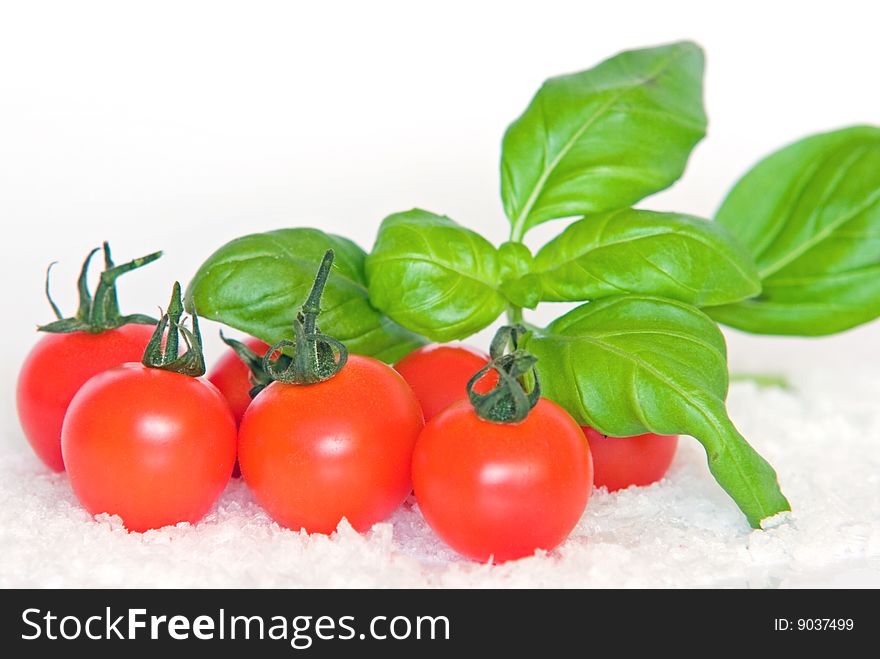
(403, 622)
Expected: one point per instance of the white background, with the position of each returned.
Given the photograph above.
(181, 125)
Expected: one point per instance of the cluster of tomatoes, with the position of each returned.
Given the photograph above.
(142, 436)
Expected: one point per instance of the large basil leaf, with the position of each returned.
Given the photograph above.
(257, 284)
(435, 277)
(634, 251)
(630, 364)
(604, 138)
(810, 216)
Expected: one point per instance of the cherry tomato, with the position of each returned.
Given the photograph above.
(313, 454)
(502, 490)
(619, 462)
(56, 368)
(152, 446)
(438, 374)
(232, 377)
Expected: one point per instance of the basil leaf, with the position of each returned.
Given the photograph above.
(810, 216)
(257, 284)
(635, 251)
(629, 364)
(519, 284)
(604, 138)
(434, 277)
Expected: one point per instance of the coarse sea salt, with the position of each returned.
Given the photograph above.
(823, 438)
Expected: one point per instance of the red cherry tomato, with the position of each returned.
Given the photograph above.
(313, 454)
(232, 377)
(619, 462)
(152, 446)
(438, 374)
(56, 368)
(502, 490)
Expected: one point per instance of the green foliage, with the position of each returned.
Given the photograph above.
(810, 216)
(628, 365)
(257, 283)
(604, 138)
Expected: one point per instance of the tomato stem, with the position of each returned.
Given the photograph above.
(166, 357)
(518, 389)
(258, 376)
(100, 312)
(316, 356)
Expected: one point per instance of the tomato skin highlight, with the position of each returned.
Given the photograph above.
(152, 446)
(313, 454)
(619, 462)
(439, 373)
(55, 369)
(231, 376)
(502, 490)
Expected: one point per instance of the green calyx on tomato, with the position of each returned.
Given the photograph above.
(316, 356)
(258, 376)
(518, 389)
(99, 312)
(167, 357)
